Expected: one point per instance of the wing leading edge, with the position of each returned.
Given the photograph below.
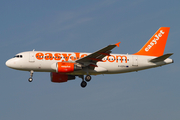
(93, 58)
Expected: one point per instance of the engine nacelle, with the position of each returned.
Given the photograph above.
(59, 78)
(65, 67)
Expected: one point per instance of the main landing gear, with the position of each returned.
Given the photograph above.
(88, 78)
(84, 83)
(31, 75)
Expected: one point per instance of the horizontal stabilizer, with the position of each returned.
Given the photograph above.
(161, 58)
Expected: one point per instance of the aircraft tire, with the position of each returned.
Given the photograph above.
(30, 79)
(88, 78)
(83, 84)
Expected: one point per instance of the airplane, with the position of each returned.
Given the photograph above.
(65, 66)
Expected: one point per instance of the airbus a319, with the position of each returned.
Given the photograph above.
(65, 66)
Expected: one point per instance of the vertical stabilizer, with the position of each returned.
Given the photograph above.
(156, 44)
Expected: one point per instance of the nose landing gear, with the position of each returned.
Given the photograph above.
(31, 75)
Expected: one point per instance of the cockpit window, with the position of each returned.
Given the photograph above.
(18, 56)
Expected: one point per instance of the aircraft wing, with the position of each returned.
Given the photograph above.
(93, 58)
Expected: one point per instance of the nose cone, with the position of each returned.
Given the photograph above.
(13, 63)
(9, 63)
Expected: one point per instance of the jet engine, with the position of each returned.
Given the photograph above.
(59, 77)
(66, 67)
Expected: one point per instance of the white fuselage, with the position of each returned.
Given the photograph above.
(46, 61)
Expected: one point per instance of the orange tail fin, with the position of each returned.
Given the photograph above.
(156, 44)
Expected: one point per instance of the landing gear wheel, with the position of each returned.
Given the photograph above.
(83, 84)
(88, 78)
(30, 79)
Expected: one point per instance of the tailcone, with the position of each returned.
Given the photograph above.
(169, 61)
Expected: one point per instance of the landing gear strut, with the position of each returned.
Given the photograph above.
(31, 75)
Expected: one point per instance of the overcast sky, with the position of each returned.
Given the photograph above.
(81, 26)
